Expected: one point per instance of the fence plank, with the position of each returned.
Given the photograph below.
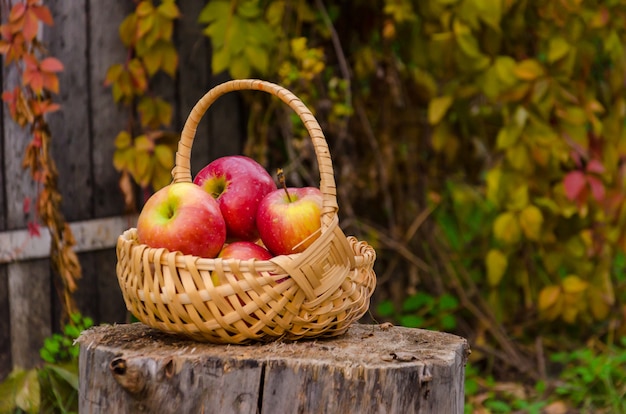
(16, 190)
(5, 325)
(71, 149)
(227, 122)
(193, 76)
(29, 284)
(107, 118)
(15, 138)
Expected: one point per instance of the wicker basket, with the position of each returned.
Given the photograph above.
(316, 293)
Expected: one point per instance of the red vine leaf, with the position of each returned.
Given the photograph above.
(26, 205)
(43, 14)
(597, 188)
(41, 75)
(33, 229)
(574, 183)
(30, 26)
(595, 166)
(51, 64)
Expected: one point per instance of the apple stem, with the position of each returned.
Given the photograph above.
(281, 180)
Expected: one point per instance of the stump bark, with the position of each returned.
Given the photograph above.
(371, 369)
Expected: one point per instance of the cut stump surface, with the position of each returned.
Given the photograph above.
(371, 369)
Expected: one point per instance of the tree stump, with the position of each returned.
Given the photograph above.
(371, 369)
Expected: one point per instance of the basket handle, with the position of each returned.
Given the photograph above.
(182, 168)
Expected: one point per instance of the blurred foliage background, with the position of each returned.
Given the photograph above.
(479, 145)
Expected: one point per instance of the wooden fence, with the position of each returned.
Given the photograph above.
(85, 38)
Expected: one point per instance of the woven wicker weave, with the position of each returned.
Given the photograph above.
(316, 293)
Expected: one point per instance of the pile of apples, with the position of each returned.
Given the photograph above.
(233, 209)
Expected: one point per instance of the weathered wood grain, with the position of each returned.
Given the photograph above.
(5, 325)
(71, 146)
(20, 186)
(371, 369)
(106, 118)
(194, 73)
(227, 124)
(30, 310)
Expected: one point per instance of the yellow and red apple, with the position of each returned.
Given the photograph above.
(288, 219)
(182, 217)
(242, 250)
(238, 183)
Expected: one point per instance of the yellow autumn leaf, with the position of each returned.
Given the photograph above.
(438, 107)
(518, 157)
(548, 297)
(531, 222)
(123, 140)
(517, 197)
(557, 48)
(598, 304)
(506, 228)
(165, 156)
(574, 284)
(144, 144)
(529, 69)
(569, 314)
(496, 263)
(494, 189)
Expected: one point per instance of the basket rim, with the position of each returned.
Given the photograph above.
(182, 168)
(207, 263)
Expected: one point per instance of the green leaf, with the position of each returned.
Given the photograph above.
(411, 321)
(385, 308)
(66, 373)
(258, 58)
(214, 10)
(72, 331)
(221, 60)
(249, 9)
(448, 302)
(438, 107)
(417, 302)
(20, 390)
(448, 322)
(236, 35)
(240, 68)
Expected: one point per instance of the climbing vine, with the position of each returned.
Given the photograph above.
(145, 149)
(29, 102)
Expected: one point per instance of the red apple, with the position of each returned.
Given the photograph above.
(182, 217)
(288, 219)
(238, 183)
(242, 250)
